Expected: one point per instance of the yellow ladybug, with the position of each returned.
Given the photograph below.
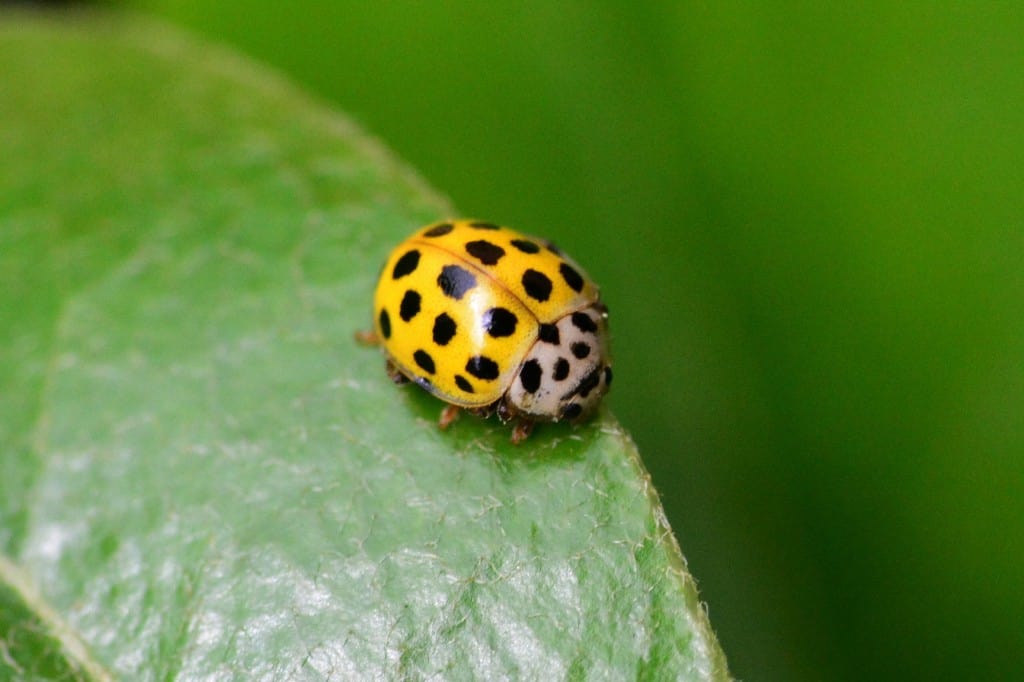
(495, 322)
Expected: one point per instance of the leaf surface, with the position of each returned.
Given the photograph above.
(202, 475)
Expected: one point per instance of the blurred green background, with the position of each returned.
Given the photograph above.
(807, 220)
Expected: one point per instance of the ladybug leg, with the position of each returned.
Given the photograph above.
(505, 412)
(367, 337)
(448, 415)
(395, 375)
(522, 430)
(482, 412)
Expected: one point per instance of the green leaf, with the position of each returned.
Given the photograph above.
(202, 475)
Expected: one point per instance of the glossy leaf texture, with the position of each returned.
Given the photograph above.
(202, 475)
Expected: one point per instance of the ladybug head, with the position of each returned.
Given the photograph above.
(568, 370)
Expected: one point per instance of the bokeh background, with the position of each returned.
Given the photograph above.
(808, 222)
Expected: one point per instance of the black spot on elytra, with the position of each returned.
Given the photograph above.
(580, 349)
(385, 323)
(410, 305)
(607, 376)
(484, 226)
(584, 322)
(406, 264)
(537, 285)
(500, 322)
(455, 281)
(571, 277)
(572, 410)
(561, 369)
(424, 360)
(589, 383)
(482, 367)
(444, 329)
(463, 383)
(525, 245)
(549, 334)
(485, 252)
(530, 376)
(439, 230)
(550, 246)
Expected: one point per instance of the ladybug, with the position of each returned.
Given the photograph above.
(493, 321)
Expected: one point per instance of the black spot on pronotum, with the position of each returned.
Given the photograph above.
(444, 329)
(463, 383)
(439, 230)
(500, 322)
(572, 410)
(561, 369)
(526, 246)
(410, 305)
(537, 285)
(580, 349)
(530, 376)
(485, 252)
(589, 383)
(455, 281)
(607, 376)
(482, 367)
(549, 334)
(406, 264)
(385, 323)
(484, 226)
(571, 277)
(584, 322)
(425, 362)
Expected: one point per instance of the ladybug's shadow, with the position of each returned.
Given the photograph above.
(549, 444)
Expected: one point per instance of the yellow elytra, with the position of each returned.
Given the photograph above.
(490, 319)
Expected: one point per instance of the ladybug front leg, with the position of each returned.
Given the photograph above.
(522, 430)
(367, 337)
(448, 415)
(506, 413)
